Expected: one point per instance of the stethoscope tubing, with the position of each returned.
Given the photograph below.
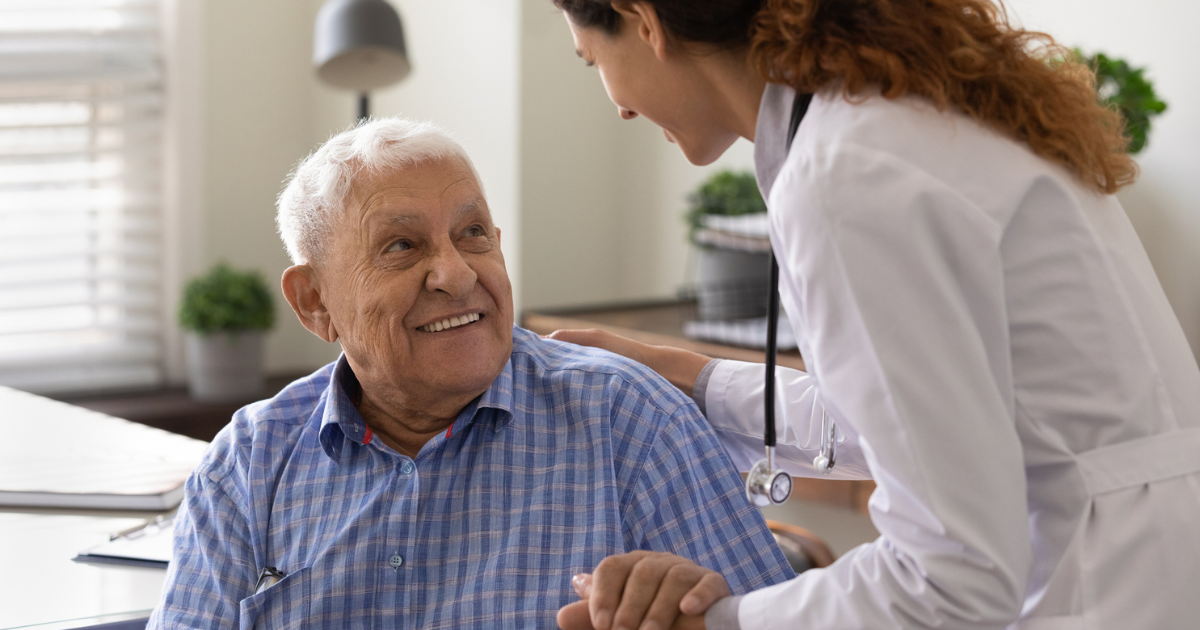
(772, 351)
(825, 461)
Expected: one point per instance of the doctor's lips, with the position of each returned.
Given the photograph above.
(451, 322)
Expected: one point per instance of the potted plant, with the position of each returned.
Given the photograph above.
(226, 314)
(726, 219)
(1127, 89)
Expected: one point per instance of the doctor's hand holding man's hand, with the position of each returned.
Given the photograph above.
(680, 367)
(643, 590)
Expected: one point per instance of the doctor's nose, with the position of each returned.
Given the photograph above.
(627, 114)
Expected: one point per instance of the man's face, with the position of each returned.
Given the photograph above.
(415, 283)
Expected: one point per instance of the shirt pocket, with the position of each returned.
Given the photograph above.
(280, 607)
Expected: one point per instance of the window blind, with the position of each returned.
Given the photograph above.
(81, 104)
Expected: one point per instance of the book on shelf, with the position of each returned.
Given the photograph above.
(747, 232)
(747, 333)
(58, 455)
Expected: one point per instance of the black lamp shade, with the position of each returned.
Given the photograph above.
(359, 45)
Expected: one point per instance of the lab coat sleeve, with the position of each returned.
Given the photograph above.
(734, 407)
(898, 282)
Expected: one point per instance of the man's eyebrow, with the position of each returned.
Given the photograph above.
(469, 206)
(404, 219)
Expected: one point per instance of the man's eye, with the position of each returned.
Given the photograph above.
(476, 230)
(399, 246)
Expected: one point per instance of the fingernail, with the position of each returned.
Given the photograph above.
(583, 585)
(603, 620)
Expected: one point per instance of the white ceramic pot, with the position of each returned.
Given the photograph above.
(731, 284)
(225, 366)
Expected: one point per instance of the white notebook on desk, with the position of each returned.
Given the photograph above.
(57, 455)
(148, 545)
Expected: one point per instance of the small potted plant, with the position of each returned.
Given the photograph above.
(726, 219)
(1127, 89)
(226, 314)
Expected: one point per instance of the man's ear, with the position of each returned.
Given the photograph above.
(302, 291)
(643, 18)
(497, 235)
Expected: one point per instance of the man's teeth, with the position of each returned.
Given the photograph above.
(452, 322)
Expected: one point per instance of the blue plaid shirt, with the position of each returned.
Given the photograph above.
(573, 454)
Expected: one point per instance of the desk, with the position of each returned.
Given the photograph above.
(39, 584)
(661, 324)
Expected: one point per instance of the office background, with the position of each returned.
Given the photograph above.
(590, 205)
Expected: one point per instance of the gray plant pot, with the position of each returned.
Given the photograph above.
(225, 366)
(731, 284)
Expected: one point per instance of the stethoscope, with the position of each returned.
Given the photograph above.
(766, 484)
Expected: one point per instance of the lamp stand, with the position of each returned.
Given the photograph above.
(364, 107)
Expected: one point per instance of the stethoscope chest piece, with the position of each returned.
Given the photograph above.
(767, 485)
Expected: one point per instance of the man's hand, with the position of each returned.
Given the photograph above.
(643, 590)
(680, 367)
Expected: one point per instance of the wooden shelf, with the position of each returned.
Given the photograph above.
(655, 323)
(172, 409)
(661, 324)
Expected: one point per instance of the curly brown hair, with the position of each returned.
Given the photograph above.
(959, 54)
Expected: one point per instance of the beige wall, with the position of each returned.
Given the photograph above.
(569, 170)
(1164, 204)
(259, 93)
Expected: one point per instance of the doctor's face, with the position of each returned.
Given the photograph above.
(645, 76)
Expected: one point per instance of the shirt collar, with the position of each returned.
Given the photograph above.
(770, 134)
(341, 422)
(499, 397)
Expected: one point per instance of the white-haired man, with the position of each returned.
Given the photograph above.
(449, 469)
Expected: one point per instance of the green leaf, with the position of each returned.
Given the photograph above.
(225, 299)
(1127, 89)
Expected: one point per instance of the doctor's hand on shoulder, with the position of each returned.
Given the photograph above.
(643, 590)
(680, 367)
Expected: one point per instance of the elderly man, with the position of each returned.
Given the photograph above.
(449, 470)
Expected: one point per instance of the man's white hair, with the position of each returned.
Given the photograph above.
(317, 190)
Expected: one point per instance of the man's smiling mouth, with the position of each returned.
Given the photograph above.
(451, 322)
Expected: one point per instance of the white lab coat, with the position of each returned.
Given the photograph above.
(999, 357)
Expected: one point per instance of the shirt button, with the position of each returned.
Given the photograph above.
(407, 468)
(395, 561)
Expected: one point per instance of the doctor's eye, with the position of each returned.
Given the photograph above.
(475, 230)
(399, 246)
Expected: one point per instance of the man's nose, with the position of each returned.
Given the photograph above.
(449, 273)
(627, 114)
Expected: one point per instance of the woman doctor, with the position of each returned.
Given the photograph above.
(976, 313)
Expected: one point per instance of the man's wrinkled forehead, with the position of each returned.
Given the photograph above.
(442, 179)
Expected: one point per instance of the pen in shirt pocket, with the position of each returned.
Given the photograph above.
(269, 577)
